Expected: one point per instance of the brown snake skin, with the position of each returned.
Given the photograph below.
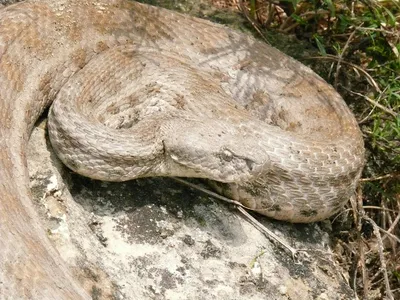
(296, 153)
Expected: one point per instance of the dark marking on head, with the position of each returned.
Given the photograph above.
(309, 213)
(274, 207)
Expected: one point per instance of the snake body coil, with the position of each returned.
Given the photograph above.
(140, 91)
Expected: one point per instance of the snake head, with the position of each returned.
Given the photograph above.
(213, 149)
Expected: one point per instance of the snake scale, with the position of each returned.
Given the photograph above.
(141, 91)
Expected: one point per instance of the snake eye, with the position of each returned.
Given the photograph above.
(226, 155)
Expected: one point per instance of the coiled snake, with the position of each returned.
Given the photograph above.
(162, 94)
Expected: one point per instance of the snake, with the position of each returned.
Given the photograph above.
(139, 91)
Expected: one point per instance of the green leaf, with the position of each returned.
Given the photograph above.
(392, 18)
(320, 45)
(331, 7)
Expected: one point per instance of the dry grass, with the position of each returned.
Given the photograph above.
(359, 43)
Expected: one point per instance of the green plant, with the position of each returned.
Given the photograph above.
(359, 45)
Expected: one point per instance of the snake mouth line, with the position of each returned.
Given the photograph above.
(77, 51)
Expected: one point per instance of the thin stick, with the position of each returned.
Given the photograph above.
(358, 218)
(242, 208)
(268, 232)
(334, 58)
(364, 272)
(392, 175)
(373, 108)
(244, 11)
(385, 109)
(377, 30)
(383, 268)
(389, 234)
(394, 224)
(340, 58)
(215, 195)
(379, 208)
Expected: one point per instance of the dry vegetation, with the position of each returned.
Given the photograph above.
(355, 46)
(358, 46)
(357, 50)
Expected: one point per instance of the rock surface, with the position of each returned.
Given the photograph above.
(156, 239)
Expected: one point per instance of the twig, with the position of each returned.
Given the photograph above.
(385, 109)
(206, 191)
(358, 218)
(340, 58)
(334, 58)
(268, 232)
(364, 272)
(373, 108)
(377, 30)
(343, 212)
(379, 208)
(389, 234)
(383, 269)
(393, 225)
(392, 175)
(307, 16)
(241, 208)
(271, 12)
(288, 20)
(244, 11)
